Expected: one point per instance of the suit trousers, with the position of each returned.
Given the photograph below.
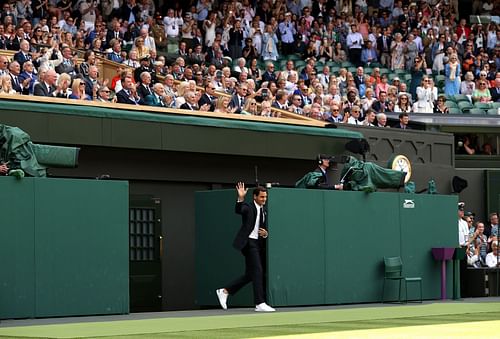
(254, 271)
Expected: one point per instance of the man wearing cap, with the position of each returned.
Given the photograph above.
(463, 228)
(143, 68)
(287, 31)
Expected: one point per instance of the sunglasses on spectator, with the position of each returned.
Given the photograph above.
(482, 84)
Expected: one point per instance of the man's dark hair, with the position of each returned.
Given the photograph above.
(258, 189)
(404, 114)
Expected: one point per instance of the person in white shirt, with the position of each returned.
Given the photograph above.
(172, 24)
(463, 228)
(354, 44)
(493, 258)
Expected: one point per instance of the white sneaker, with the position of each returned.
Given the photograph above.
(222, 298)
(264, 308)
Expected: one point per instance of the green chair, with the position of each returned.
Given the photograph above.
(346, 64)
(334, 70)
(465, 106)
(451, 104)
(492, 111)
(393, 270)
(353, 70)
(454, 110)
(477, 111)
(461, 97)
(482, 105)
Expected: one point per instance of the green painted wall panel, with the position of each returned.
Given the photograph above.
(81, 234)
(296, 247)
(142, 134)
(17, 275)
(431, 223)
(360, 230)
(217, 262)
(75, 129)
(65, 244)
(327, 247)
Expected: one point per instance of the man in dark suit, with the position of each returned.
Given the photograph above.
(238, 99)
(144, 87)
(250, 241)
(159, 98)
(114, 33)
(208, 97)
(404, 119)
(46, 88)
(384, 47)
(24, 55)
(18, 85)
(68, 65)
(115, 55)
(128, 95)
(495, 91)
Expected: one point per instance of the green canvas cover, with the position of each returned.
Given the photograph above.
(368, 177)
(310, 180)
(17, 149)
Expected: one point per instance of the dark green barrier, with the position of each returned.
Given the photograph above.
(326, 247)
(64, 245)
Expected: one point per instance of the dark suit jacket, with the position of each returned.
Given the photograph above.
(111, 35)
(64, 68)
(235, 102)
(495, 94)
(21, 58)
(123, 98)
(380, 45)
(206, 100)
(115, 57)
(188, 107)
(40, 90)
(142, 91)
(248, 214)
(17, 87)
(398, 125)
(152, 100)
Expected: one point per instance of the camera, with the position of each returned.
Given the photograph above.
(265, 93)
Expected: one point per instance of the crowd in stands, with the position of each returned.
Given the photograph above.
(479, 239)
(337, 61)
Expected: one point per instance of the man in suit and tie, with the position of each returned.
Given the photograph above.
(68, 65)
(495, 91)
(250, 240)
(144, 87)
(28, 73)
(159, 98)
(238, 99)
(114, 34)
(384, 47)
(404, 119)
(91, 81)
(24, 54)
(128, 94)
(209, 96)
(46, 88)
(115, 54)
(192, 103)
(18, 85)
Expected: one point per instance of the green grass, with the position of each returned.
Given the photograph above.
(253, 324)
(266, 331)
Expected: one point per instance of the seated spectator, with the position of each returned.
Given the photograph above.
(404, 119)
(158, 97)
(132, 60)
(250, 107)
(266, 109)
(78, 90)
(382, 120)
(28, 75)
(238, 99)
(269, 73)
(369, 118)
(468, 86)
(295, 107)
(493, 258)
(63, 89)
(482, 93)
(403, 104)
(441, 107)
(495, 91)
(115, 54)
(382, 104)
(144, 87)
(316, 112)
(281, 100)
(7, 85)
(128, 94)
(222, 105)
(354, 116)
(21, 87)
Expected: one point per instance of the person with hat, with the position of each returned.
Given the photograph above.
(144, 67)
(463, 228)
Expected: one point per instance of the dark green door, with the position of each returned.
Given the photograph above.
(146, 251)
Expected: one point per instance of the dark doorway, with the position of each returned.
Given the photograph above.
(146, 250)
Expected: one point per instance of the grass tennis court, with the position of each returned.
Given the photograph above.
(385, 321)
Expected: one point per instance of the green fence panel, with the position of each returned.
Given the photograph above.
(296, 247)
(65, 247)
(360, 230)
(217, 262)
(327, 247)
(81, 233)
(431, 222)
(17, 277)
